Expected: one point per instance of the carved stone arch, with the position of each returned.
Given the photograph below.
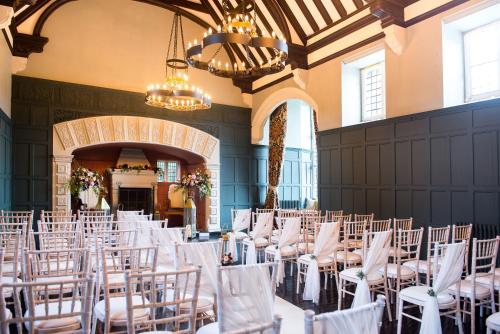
(75, 134)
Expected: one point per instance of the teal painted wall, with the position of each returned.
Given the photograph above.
(5, 161)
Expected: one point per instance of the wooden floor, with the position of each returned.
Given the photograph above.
(328, 303)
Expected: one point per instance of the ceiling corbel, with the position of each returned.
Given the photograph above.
(388, 11)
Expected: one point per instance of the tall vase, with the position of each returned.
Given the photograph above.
(190, 215)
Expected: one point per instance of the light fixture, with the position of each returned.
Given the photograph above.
(176, 93)
(239, 30)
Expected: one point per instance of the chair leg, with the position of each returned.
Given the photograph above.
(399, 316)
(387, 305)
(340, 293)
(472, 316)
(94, 324)
(326, 279)
(298, 277)
(458, 317)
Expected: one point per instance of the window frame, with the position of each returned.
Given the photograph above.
(467, 73)
(382, 115)
(164, 178)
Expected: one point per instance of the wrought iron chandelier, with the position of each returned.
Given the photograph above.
(176, 93)
(239, 29)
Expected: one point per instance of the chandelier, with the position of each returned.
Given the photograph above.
(176, 93)
(239, 30)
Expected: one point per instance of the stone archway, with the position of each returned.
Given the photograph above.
(71, 135)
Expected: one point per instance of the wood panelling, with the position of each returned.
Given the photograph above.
(440, 167)
(5, 161)
(38, 104)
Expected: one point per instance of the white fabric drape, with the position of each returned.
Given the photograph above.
(166, 238)
(324, 246)
(290, 233)
(263, 228)
(241, 221)
(450, 273)
(376, 258)
(206, 255)
(361, 320)
(246, 297)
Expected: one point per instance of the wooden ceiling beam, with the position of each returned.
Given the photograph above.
(358, 3)
(310, 19)
(278, 17)
(388, 11)
(25, 14)
(293, 21)
(340, 8)
(322, 10)
(187, 5)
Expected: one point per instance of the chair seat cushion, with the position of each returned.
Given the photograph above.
(392, 271)
(204, 304)
(422, 266)
(348, 257)
(486, 280)
(118, 309)
(466, 287)
(355, 243)
(259, 242)
(493, 321)
(418, 295)
(322, 261)
(309, 237)
(303, 247)
(212, 328)
(393, 251)
(350, 275)
(59, 324)
(285, 251)
(241, 235)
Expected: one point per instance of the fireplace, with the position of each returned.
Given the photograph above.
(136, 199)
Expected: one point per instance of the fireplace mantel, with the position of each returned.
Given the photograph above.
(131, 179)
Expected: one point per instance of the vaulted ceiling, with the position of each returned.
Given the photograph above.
(306, 24)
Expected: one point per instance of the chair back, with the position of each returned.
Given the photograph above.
(343, 218)
(408, 245)
(484, 255)
(13, 223)
(84, 214)
(379, 225)
(436, 235)
(287, 213)
(12, 244)
(17, 217)
(58, 226)
(57, 216)
(353, 234)
(155, 297)
(368, 218)
(461, 233)
(72, 309)
(245, 299)
(257, 210)
(401, 224)
(360, 320)
(265, 222)
(58, 240)
(241, 219)
(331, 215)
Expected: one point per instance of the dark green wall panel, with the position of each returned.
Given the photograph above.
(5, 161)
(440, 167)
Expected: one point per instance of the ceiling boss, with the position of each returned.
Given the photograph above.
(238, 30)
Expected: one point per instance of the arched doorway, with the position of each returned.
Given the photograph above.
(108, 130)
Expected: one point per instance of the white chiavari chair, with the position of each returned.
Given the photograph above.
(308, 233)
(70, 313)
(241, 220)
(260, 237)
(493, 323)
(147, 294)
(133, 215)
(111, 310)
(57, 216)
(376, 247)
(439, 235)
(461, 233)
(257, 210)
(352, 240)
(360, 320)
(286, 250)
(379, 225)
(407, 248)
(10, 271)
(472, 292)
(320, 260)
(13, 223)
(331, 216)
(62, 226)
(279, 221)
(17, 218)
(435, 300)
(405, 224)
(86, 214)
(55, 240)
(245, 301)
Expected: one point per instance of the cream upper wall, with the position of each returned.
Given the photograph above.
(414, 79)
(5, 76)
(117, 44)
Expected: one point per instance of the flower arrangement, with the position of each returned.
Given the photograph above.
(83, 179)
(198, 180)
(126, 167)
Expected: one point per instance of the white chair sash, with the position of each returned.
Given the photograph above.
(450, 273)
(263, 228)
(247, 297)
(324, 246)
(376, 258)
(206, 255)
(166, 238)
(241, 221)
(289, 236)
(360, 320)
